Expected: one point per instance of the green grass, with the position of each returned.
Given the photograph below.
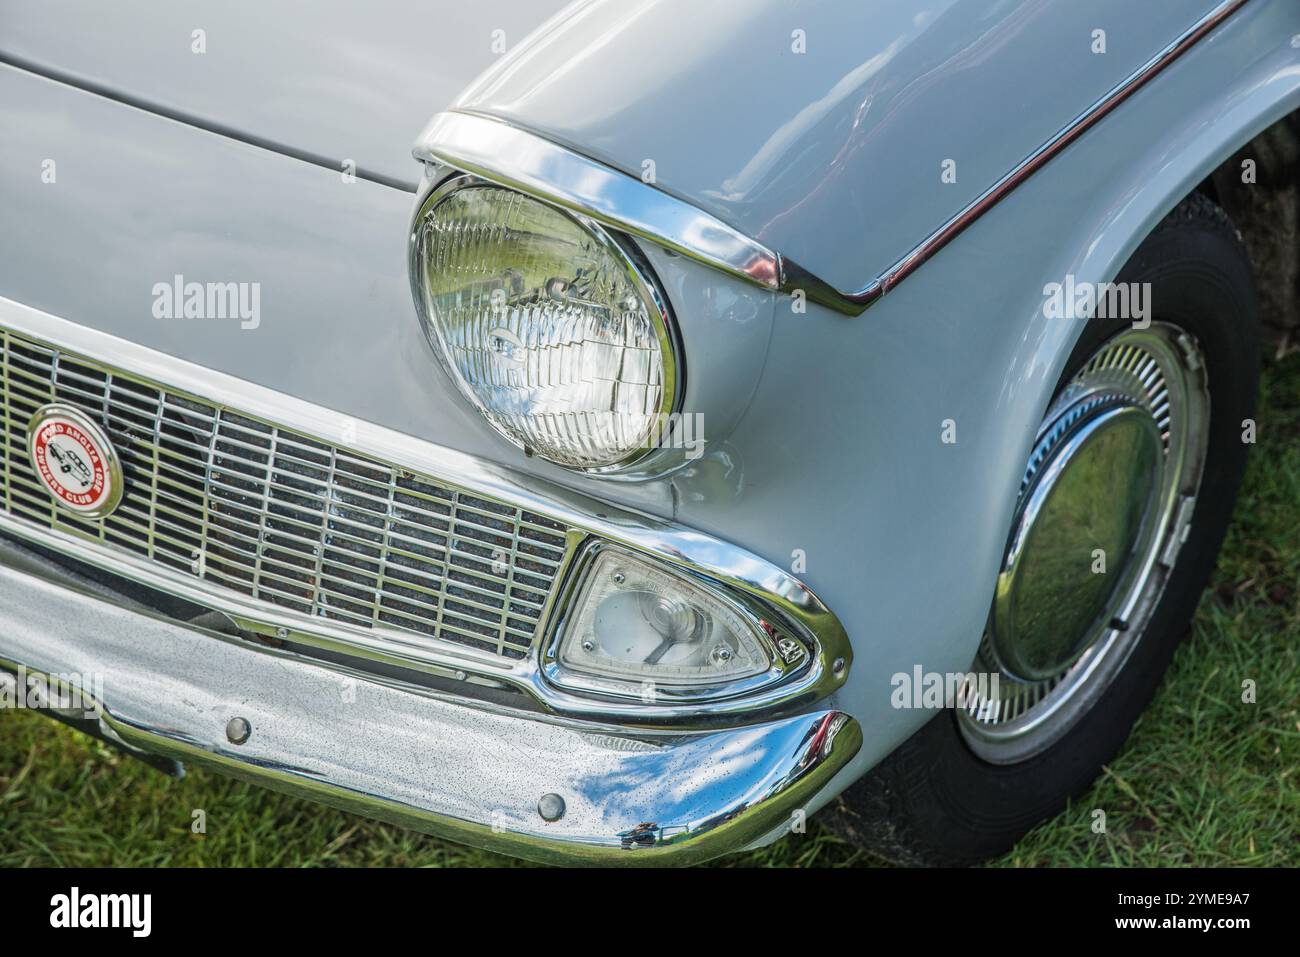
(1204, 780)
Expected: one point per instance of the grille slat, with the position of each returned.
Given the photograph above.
(267, 513)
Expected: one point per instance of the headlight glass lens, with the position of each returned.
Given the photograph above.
(547, 324)
(637, 622)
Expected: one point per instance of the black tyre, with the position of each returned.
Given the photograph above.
(978, 776)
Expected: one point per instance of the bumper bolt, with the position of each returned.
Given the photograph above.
(551, 807)
(238, 730)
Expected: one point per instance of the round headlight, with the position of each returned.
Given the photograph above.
(549, 326)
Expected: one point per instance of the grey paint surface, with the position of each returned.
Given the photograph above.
(338, 326)
(334, 79)
(850, 135)
(835, 451)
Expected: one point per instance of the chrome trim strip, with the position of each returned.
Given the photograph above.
(682, 548)
(513, 157)
(415, 757)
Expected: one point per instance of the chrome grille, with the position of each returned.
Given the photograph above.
(282, 518)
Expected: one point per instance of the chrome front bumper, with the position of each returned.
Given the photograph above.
(471, 773)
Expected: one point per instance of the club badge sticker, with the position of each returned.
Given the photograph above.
(75, 461)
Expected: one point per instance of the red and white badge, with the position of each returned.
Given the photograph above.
(75, 461)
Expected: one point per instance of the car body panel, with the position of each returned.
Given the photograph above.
(852, 134)
(327, 79)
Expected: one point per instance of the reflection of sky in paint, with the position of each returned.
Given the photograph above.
(787, 137)
(687, 785)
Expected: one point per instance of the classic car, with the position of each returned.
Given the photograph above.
(615, 432)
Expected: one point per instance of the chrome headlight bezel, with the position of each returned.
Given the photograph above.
(634, 268)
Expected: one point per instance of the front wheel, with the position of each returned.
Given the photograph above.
(1122, 508)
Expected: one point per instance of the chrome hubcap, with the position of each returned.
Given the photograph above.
(1087, 504)
(1104, 504)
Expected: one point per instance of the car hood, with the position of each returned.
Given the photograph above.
(328, 80)
(840, 134)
